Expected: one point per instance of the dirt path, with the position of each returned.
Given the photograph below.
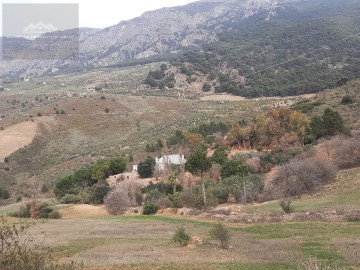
(84, 210)
(222, 98)
(16, 136)
(227, 97)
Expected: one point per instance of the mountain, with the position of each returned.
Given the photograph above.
(244, 47)
(304, 47)
(163, 31)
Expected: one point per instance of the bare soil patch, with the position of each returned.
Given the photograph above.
(15, 137)
(222, 98)
(84, 210)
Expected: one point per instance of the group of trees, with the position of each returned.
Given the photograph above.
(270, 129)
(160, 78)
(88, 185)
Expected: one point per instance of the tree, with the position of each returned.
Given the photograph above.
(194, 139)
(219, 156)
(234, 167)
(222, 234)
(146, 168)
(98, 193)
(332, 122)
(117, 165)
(198, 163)
(239, 135)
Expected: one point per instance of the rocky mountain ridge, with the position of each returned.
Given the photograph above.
(163, 31)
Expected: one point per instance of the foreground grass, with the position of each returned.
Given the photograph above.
(144, 242)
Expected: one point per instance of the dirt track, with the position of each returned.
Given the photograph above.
(15, 137)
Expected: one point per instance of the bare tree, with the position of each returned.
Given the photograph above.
(122, 197)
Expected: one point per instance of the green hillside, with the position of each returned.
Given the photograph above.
(307, 47)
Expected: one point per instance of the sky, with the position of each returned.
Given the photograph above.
(104, 13)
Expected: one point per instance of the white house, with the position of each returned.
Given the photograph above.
(169, 159)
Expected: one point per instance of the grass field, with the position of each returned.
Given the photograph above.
(145, 243)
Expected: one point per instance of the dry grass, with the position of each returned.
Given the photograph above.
(16, 136)
(135, 242)
(83, 211)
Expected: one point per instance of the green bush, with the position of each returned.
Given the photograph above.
(98, 193)
(146, 168)
(286, 206)
(150, 209)
(55, 214)
(4, 194)
(221, 234)
(181, 237)
(24, 212)
(71, 198)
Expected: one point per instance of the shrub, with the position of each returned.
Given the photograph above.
(206, 87)
(44, 210)
(234, 186)
(150, 209)
(98, 193)
(345, 153)
(286, 206)
(117, 201)
(146, 168)
(181, 237)
(24, 212)
(54, 215)
(221, 234)
(18, 199)
(347, 100)
(71, 198)
(301, 176)
(4, 194)
(39, 114)
(107, 110)
(188, 199)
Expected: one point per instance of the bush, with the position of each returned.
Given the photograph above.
(150, 209)
(43, 210)
(117, 201)
(345, 153)
(347, 100)
(286, 206)
(234, 186)
(54, 215)
(71, 198)
(24, 212)
(221, 234)
(181, 237)
(98, 193)
(4, 194)
(188, 199)
(301, 176)
(146, 168)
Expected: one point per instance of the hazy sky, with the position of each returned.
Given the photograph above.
(103, 13)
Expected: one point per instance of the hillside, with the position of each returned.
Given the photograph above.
(305, 48)
(84, 132)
